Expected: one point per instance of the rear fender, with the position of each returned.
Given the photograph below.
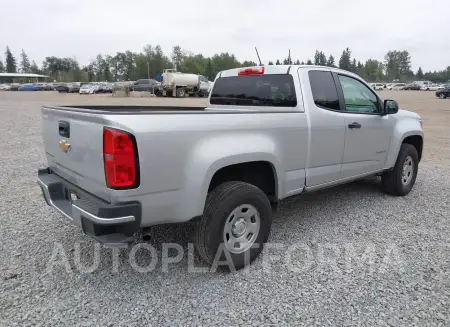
(215, 153)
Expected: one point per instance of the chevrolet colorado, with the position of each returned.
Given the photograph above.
(268, 133)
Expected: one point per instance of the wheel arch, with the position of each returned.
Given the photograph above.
(414, 137)
(417, 142)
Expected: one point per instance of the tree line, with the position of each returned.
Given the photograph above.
(151, 61)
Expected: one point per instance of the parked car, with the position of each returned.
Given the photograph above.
(146, 85)
(267, 133)
(62, 88)
(48, 87)
(107, 88)
(14, 87)
(96, 89)
(433, 87)
(443, 93)
(86, 89)
(74, 87)
(396, 86)
(5, 87)
(28, 87)
(378, 86)
(429, 87)
(39, 86)
(412, 87)
(54, 86)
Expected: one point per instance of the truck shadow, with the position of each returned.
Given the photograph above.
(299, 209)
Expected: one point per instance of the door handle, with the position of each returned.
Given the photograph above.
(354, 125)
(64, 129)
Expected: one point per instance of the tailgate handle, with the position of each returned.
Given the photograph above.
(64, 128)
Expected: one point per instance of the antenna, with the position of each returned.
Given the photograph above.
(258, 57)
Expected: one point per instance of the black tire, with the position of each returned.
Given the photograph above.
(220, 203)
(181, 92)
(393, 180)
(442, 96)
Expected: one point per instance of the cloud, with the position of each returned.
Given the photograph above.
(84, 28)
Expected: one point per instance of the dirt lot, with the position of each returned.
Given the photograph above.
(364, 258)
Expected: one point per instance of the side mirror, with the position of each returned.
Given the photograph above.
(390, 107)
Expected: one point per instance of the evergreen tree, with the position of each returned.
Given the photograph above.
(354, 66)
(330, 61)
(420, 73)
(270, 63)
(278, 62)
(345, 61)
(34, 68)
(309, 62)
(317, 58)
(360, 70)
(2, 68)
(209, 70)
(322, 59)
(11, 66)
(25, 65)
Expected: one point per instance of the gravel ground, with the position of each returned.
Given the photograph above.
(360, 257)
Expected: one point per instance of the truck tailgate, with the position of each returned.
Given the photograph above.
(73, 144)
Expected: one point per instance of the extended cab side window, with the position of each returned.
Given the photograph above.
(323, 89)
(358, 97)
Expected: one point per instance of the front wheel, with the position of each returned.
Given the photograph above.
(235, 225)
(402, 178)
(442, 96)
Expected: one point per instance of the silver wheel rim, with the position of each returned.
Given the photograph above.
(442, 96)
(241, 228)
(408, 170)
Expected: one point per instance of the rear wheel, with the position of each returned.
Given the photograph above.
(401, 179)
(181, 92)
(235, 225)
(442, 96)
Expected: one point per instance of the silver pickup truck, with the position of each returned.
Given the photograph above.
(268, 133)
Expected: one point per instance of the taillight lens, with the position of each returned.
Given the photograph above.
(120, 158)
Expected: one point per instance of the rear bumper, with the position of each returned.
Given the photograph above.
(105, 222)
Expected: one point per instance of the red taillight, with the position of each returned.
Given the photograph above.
(251, 71)
(120, 158)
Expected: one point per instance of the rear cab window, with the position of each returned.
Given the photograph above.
(265, 90)
(324, 89)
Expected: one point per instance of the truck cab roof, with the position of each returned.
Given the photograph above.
(279, 69)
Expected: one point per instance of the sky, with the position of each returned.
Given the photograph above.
(83, 28)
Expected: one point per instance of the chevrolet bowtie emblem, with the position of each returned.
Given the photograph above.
(64, 146)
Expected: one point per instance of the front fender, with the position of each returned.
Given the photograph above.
(403, 129)
(216, 152)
